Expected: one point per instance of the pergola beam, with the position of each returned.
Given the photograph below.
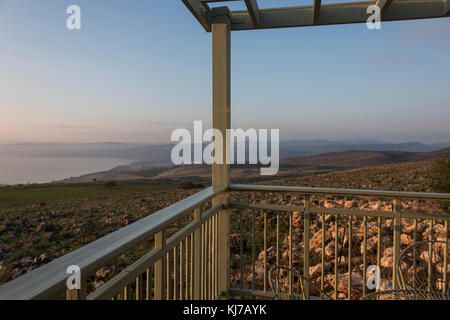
(316, 11)
(254, 12)
(384, 5)
(200, 11)
(339, 14)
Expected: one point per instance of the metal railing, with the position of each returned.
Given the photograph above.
(269, 233)
(183, 261)
(181, 266)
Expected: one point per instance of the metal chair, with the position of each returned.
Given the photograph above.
(281, 291)
(423, 266)
(406, 295)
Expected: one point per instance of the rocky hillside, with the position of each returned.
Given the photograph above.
(40, 223)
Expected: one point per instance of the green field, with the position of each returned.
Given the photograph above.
(25, 196)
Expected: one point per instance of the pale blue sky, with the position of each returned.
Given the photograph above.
(140, 68)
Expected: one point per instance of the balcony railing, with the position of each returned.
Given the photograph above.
(342, 231)
(184, 260)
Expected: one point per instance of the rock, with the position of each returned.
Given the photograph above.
(406, 240)
(387, 260)
(271, 256)
(371, 245)
(316, 271)
(296, 219)
(329, 250)
(386, 285)
(235, 243)
(328, 204)
(342, 283)
(126, 220)
(425, 256)
(351, 204)
(43, 259)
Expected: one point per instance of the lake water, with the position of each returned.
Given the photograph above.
(22, 170)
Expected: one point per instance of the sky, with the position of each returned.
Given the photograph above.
(139, 69)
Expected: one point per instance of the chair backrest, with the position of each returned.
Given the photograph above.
(406, 295)
(424, 266)
(289, 284)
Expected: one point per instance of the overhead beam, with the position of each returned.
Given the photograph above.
(384, 5)
(200, 12)
(339, 14)
(253, 10)
(316, 11)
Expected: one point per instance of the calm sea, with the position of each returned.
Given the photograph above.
(17, 170)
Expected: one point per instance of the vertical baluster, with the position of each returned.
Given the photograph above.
(445, 266)
(175, 273)
(241, 242)
(415, 255)
(336, 251)
(139, 287)
(379, 246)
(160, 268)
(202, 275)
(365, 256)
(217, 255)
(290, 256)
(125, 293)
(216, 258)
(181, 270)
(253, 250)
(168, 277)
(188, 259)
(148, 286)
(430, 255)
(196, 259)
(397, 241)
(213, 257)
(322, 276)
(207, 252)
(209, 259)
(278, 238)
(350, 236)
(265, 251)
(306, 235)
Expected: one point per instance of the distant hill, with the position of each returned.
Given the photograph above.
(292, 167)
(154, 154)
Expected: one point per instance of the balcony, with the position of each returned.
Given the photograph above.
(193, 256)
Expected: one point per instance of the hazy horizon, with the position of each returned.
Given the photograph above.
(133, 75)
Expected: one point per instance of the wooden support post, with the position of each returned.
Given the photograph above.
(221, 103)
(160, 266)
(75, 294)
(397, 242)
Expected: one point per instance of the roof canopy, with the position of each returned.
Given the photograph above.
(316, 13)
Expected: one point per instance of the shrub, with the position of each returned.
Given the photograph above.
(187, 185)
(110, 184)
(441, 174)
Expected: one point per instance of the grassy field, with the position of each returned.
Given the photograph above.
(23, 196)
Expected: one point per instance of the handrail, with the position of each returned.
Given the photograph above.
(335, 191)
(50, 279)
(126, 276)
